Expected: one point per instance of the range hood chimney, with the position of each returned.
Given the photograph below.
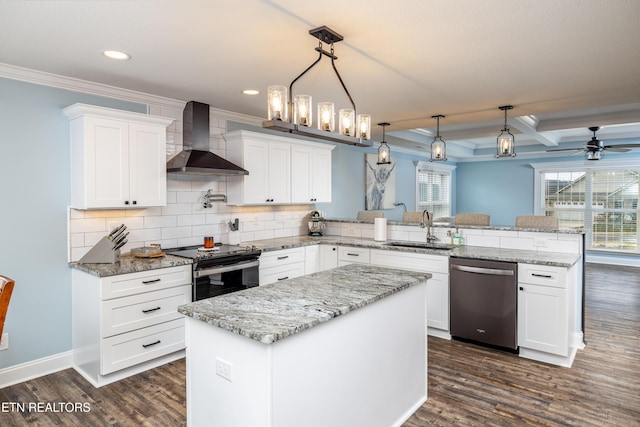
(195, 158)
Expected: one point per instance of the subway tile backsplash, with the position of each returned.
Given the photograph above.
(184, 221)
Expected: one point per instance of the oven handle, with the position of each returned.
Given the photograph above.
(480, 270)
(217, 270)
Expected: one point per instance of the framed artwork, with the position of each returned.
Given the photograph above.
(380, 184)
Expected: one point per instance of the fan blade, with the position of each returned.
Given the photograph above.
(623, 146)
(566, 149)
(616, 149)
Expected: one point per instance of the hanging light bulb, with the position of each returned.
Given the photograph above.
(438, 146)
(384, 152)
(505, 145)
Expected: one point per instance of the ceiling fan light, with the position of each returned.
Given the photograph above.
(594, 155)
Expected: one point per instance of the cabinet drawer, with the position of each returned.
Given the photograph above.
(127, 314)
(144, 281)
(124, 350)
(410, 261)
(277, 273)
(354, 254)
(542, 275)
(282, 257)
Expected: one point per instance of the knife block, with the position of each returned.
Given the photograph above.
(101, 253)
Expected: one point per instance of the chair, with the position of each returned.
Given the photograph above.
(540, 222)
(6, 288)
(412, 217)
(369, 216)
(472, 219)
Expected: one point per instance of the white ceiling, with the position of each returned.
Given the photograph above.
(564, 65)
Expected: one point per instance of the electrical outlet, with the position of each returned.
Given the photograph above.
(223, 369)
(4, 343)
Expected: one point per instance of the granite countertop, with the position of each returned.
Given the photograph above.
(478, 252)
(131, 264)
(275, 311)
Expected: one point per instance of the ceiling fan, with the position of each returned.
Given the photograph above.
(595, 147)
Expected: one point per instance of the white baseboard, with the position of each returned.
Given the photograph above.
(36, 368)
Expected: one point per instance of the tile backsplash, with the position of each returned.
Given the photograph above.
(184, 220)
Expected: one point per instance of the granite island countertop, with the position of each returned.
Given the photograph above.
(557, 259)
(275, 311)
(131, 264)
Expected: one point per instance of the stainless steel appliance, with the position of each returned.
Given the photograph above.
(225, 269)
(483, 301)
(316, 223)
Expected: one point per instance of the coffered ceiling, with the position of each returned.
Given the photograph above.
(564, 65)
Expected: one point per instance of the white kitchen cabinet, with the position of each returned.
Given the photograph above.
(281, 265)
(311, 173)
(118, 158)
(311, 259)
(437, 286)
(281, 170)
(543, 309)
(353, 255)
(328, 257)
(125, 324)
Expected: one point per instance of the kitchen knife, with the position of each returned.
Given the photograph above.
(119, 245)
(118, 234)
(120, 238)
(116, 231)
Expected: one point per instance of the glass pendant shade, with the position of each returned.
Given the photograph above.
(302, 110)
(326, 116)
(364, 126)
(505, 143)
(346, 122)
(277, 103)
(438, 146)
(384, 152)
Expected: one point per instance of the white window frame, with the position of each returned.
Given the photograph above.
(434, 167)
(576, 166)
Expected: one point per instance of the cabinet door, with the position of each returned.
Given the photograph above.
(321, 176)
(438, 301)
(328, 257)
(147, 160)
(542, 319)
(255, 160)
(279, 170)
(301, 175)
(106, 164)
(311, 259)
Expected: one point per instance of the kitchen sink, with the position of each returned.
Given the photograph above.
(442, 246)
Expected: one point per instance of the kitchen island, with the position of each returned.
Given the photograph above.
(341, 347)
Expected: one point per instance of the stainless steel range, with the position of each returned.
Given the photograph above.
(221, 270)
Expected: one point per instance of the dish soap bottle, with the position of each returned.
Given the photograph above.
(458, 240)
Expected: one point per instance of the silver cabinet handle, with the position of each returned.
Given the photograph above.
(216, 270)
(481, 270)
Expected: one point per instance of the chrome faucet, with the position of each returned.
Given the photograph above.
(429, 225)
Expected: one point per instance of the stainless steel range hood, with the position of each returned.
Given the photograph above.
(195, 158)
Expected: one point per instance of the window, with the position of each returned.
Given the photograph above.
(433, 188)
(602, 199)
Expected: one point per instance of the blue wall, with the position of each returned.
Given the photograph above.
(34, 195)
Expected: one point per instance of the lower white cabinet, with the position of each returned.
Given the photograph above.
(281, 265)
(437, 286)
(353, 255)
(125, 324)
(543, 309)
(328, 257)
(311, 259)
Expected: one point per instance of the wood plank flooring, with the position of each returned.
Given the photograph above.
(468, 385)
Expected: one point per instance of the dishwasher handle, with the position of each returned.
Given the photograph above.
(482, 270)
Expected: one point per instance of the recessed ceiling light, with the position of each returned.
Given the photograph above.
(251, 92)
(115, 54)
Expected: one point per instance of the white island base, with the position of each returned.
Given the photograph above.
(367, 367)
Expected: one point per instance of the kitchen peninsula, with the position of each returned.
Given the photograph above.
(276, 354)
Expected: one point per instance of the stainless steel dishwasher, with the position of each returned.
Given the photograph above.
(483, 301)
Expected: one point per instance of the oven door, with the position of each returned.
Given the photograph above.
(219, 280)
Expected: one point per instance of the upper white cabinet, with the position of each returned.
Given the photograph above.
(281, 170)
(118, 158)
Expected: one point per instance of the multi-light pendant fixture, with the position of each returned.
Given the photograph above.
(505, 144)
(296, 117)
(384, 152)
(438, 146)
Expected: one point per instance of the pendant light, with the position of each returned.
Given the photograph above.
(384, 152)
(505, 145)
(438, 146)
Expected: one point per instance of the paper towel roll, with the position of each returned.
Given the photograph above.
(380, 229)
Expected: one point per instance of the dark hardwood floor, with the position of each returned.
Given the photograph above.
(468, 385)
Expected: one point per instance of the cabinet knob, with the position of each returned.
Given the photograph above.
(521, 288)
(135, 203)
(126, 202)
